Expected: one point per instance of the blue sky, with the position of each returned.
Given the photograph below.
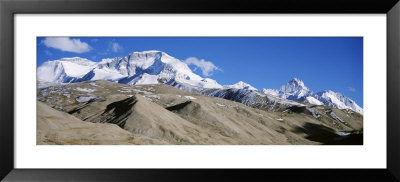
(334, 63)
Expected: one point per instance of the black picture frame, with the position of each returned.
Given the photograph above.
(9, 8)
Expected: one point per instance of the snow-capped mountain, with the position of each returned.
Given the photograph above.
(65, 70)
(148, 67)
(292, 90)
(337, 100)
(152, 67)
(296, 90)
(273, 92)
(240, 85)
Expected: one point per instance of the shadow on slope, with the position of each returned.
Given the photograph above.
(299, 110)
(328, 136)
(117, 112)
(178, 107)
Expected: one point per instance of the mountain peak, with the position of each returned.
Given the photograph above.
(337, 100)
(330, 91)
(241, 85)
(297, 81)
(273, 92)
(294, 85)
(294, 90)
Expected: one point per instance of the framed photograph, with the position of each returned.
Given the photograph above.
(202, 90)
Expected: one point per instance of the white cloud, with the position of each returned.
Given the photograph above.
(206, 67)
(67, 44)
(115, 47)
(351, 89)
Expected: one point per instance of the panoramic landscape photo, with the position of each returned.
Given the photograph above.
(199, 91)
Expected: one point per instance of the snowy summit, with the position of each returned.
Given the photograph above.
(296, 90)
(148, 67)
(240, 85)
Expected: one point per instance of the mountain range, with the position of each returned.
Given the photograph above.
(154, 67)
(296, 90)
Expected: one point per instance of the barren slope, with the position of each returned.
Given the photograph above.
(55, 127)
(168, 115)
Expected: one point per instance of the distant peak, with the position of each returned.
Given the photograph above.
(274, 92)
(331, 92)
(324, 91)
(297, 81)
(268, 89)
(241, 85)
(294, 89)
